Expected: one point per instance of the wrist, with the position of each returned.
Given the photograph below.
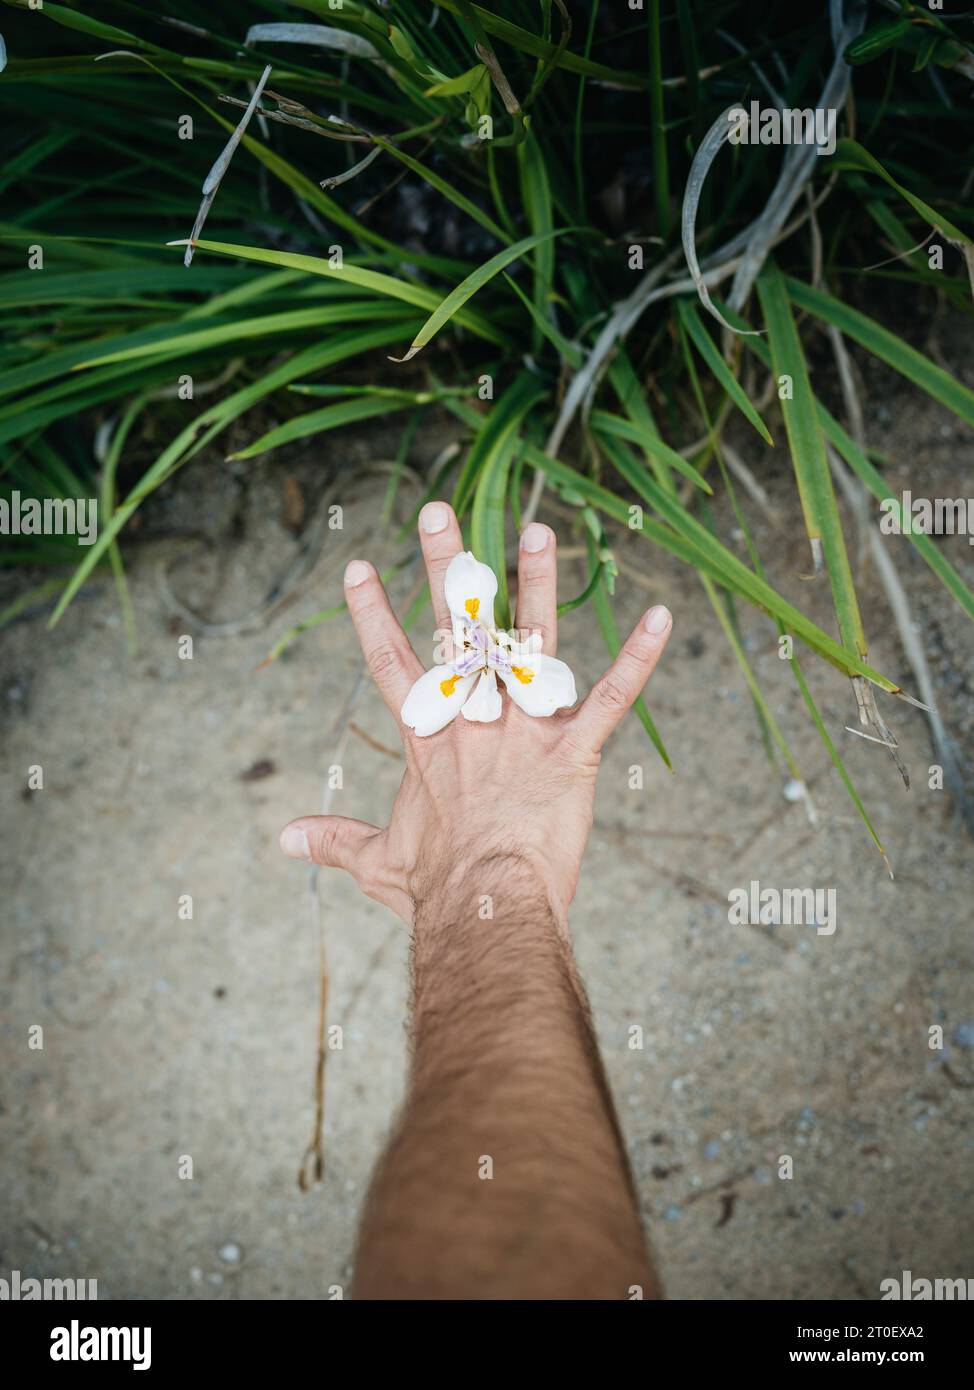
(491, 961)
(503, 887)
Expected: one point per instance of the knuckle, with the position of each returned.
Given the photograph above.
(534, 576)
(384, 660)
(325, 844)
(612, 693)
(577, 747)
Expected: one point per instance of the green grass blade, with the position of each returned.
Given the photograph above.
(178, 339)
(495, 449)
(886, 345)
(196, 435)
(632, 398)
(661, 172)
(453, 302)
(610, 632)
(38, 594)
(570, 351)
(808, 454)
(851, 155)
(431, 177)
(536, 200)
(925, 547)
(834, 754)
(690, 540)
(766, 717)
(527, 42)
(708, 350)
(650, 442)
(862, 466)
(330, 417)
(361, 276)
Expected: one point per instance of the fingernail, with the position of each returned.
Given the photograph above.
(534, 537)
(357, 572)
(434, 517)
(294, 842)
(658, 620)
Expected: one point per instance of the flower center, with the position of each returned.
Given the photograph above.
(483, 650)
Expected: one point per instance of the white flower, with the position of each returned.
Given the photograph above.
(537, 684)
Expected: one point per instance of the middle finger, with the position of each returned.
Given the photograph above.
(439, 535)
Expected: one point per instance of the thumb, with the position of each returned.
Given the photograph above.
(335, 841)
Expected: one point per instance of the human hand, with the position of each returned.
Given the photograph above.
(517, 792)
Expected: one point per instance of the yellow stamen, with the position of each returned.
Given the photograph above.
(449, 685)
(524, 674)
(472, 606)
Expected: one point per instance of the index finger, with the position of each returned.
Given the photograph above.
(614, 695)
(393, 664)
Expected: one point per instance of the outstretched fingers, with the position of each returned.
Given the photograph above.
(614, 695)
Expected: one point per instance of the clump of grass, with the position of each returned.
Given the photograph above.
(508, 194)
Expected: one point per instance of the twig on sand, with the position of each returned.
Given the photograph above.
(313, 1162)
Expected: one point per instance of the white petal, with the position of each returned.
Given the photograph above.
(471, 588)
(521, 645)
(435, 699)
(540, 684)
(484, 704)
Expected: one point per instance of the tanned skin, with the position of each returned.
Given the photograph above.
(506, 1176)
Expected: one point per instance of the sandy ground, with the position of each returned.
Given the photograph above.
(165, 1037)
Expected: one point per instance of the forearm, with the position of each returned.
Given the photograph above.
(506, 1177)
